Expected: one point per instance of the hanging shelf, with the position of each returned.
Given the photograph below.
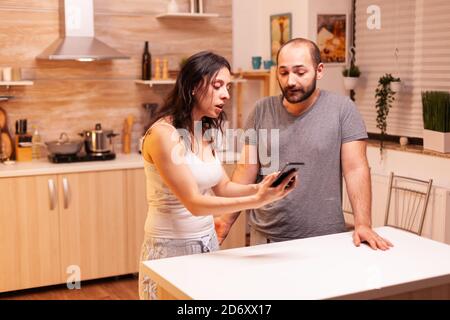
(16, 83)
(185, 15)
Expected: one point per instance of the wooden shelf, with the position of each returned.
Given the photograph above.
(16, 83)
(186, 15)
(255, 74)
(238, 80)
(5, 98)
(152, 83)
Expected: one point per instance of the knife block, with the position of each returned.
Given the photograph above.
(23, 152)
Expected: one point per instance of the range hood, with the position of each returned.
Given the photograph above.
(77, 40)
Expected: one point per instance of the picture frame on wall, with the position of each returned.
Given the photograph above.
(332, 38)
(280, 32)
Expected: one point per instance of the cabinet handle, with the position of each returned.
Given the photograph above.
(52, 194)
(65, 184)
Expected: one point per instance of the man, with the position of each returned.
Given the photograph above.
(325, 131)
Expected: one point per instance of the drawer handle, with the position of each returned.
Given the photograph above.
(52, 193)
(66, 190)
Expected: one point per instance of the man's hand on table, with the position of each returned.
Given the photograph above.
(366, 234)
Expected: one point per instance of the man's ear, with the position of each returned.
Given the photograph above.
(320, 71)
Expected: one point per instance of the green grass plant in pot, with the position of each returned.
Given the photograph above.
(436, 120)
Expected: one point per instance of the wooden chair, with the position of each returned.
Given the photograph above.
(407, 203)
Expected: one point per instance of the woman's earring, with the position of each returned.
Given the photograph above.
(193, 93)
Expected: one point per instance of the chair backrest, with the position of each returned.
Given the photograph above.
(407, 203)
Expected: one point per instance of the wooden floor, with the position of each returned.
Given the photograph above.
(117, 288)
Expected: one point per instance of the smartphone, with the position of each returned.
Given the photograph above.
(287, 170)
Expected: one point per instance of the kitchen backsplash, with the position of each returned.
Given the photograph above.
(72, 96)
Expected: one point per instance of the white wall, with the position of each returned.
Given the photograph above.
(409, 164)
(251, 36)
(247, 35)
(332, 80)
(251, 27)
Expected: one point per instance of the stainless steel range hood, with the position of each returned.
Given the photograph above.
(77, 41)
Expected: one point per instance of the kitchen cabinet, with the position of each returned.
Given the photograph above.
(91, 220)
(89, 215)
(29, 232)
(136, 208)
(93, 223)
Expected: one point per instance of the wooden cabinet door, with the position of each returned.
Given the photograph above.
(93, 223)
(29, 235)
(136, 207)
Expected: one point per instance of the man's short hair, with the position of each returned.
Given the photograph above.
(313, 49)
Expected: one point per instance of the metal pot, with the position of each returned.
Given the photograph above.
(98, 140)
(63, 145)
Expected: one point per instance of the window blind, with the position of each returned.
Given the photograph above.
(413, 43)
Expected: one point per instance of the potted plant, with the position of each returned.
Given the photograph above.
(436, 120)
(351, 76)
(385, 96)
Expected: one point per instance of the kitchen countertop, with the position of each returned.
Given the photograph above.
(326, 267)
(388, 145)
(43, 166)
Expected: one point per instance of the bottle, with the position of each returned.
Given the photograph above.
(35, 144)
(146, 63)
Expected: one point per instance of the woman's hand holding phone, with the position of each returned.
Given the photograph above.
(267, 194)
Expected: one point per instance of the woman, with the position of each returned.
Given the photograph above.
(182, 168)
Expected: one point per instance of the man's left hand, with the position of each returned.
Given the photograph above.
(366, 234)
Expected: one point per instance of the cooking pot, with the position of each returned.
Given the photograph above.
(98, 140)
(63, 145)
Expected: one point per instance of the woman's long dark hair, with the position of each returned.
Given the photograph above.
(196, 74)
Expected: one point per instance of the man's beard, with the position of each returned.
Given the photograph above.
(305, 93)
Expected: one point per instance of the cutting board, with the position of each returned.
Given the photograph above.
(7, 145)
(2, 118)
(5, 139)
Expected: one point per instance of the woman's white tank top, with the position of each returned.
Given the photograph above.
(167, 217)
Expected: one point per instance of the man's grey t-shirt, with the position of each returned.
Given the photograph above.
(315, 137)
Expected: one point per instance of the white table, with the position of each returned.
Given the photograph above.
(323, 267)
